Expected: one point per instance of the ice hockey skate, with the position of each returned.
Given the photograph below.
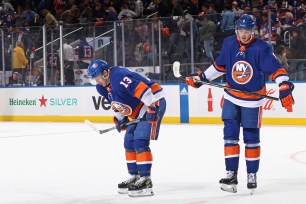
(142, 187)
(229, 183)
(124, 186)
(252, 182)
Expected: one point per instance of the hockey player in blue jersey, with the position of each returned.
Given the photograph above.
(85, 52)
(132, 96)
(244, 59)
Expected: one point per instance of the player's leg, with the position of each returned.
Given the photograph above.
(251, 123)
(143, 186)
(231, 119)
(130, 155)
(143, 133)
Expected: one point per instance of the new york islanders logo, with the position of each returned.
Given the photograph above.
(122, 108)
(242, 72)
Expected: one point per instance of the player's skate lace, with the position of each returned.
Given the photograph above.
(131, 179)
(141, 180)
(229, 174)
(123, 186)
(252, 178)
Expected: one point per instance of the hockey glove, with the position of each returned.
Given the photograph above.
(152, 112)
(192, 79)
(285, 94)
(121, 124)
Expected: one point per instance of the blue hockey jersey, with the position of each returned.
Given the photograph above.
(129, 93)
(84, 51)
(245, 67)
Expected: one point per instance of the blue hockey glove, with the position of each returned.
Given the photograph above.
(121, 124)
(285, 94)
(192, 79)
(152, 112)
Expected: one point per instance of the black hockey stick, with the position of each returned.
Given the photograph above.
(176, 72)
(95, 128)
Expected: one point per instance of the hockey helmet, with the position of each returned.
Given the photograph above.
(96, 67)
(246, 21)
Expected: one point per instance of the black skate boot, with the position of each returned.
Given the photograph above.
(252, 182)
(142, 187)
(124, 186)
(229, 183)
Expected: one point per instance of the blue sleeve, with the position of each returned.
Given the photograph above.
(268, 61)
(221, 59)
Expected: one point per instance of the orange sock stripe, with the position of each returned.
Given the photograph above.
(232, 150)
(153, 130)
(144, 157)
(130, 156)
(252, 153)
(259, 117)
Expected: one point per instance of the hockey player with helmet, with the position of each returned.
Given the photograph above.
(244, 59)
(132, 96)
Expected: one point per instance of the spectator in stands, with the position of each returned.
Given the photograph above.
(7, 6)
(38, 77)
(125, 11)
(288, 22)
(50, 21)
(68, 53)
(53, 66)
(19, 60)
(19, 17)
(14, 80)
(84, 51)
(298, 43)
(111, 14)
(86, 13)
(228, 21)
(151, 8)
(236, 10)
(207, 32)
(70, 16)
(29, 16)
(98, 14)
(59, 7)
(264, 29)
(68, 74)
(280, 53)
(10, 19)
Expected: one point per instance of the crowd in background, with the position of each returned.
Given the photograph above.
(211, 22)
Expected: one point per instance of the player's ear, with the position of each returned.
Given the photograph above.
(105, 74)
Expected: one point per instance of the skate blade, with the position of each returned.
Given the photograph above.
(141, 193)
(229, 188)
(123, 190)
(252, 191)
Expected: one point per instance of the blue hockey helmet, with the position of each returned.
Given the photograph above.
(96, 67)
(247, 22)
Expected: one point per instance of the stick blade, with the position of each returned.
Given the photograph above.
(90, 124)
(176, 69)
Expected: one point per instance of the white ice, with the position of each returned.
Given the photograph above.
(69, 163)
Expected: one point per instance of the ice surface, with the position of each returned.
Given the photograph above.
(69, 163)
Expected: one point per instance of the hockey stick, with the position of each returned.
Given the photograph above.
(95, 128)
(176, 72)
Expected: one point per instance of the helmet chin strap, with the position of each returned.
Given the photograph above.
(105, 77)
